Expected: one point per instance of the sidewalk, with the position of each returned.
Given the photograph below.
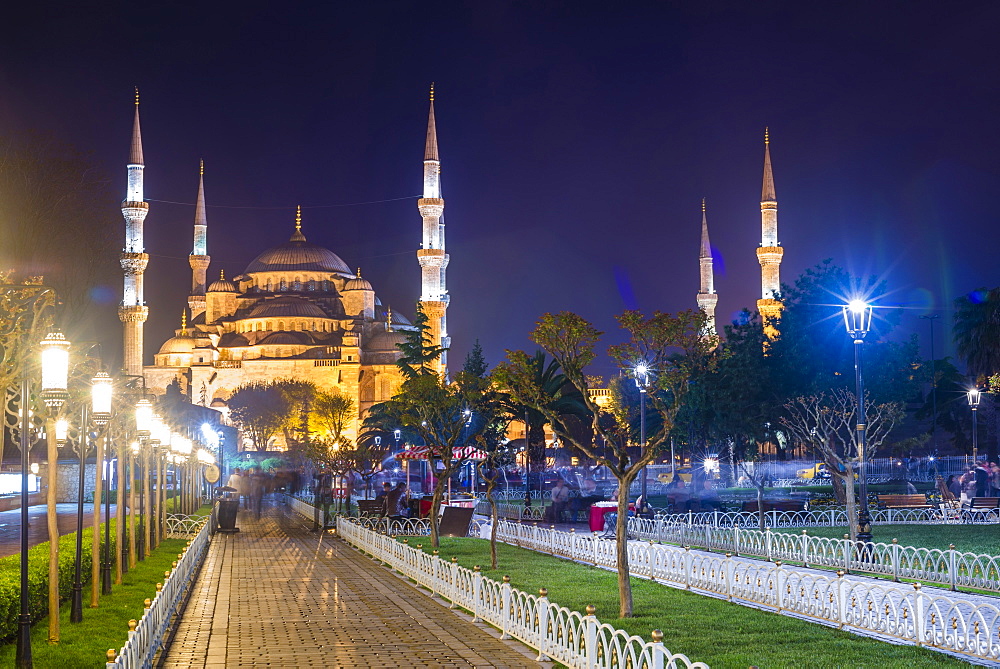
(38, 530)
(277, 595)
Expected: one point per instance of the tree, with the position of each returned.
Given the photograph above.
(977, 332)
(435, 411)
(671, 345)
(260, 410)
(417, 350)
(828, 421)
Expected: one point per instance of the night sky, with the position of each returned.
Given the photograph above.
(577, 140)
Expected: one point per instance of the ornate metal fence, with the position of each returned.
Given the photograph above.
(147, 637)
(902, 612)
(559, 634)
(180, 526)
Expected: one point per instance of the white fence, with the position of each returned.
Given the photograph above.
(829, 518)
(180, 526)
(948, 567)
(902, 612)
(565, 636)
(147, 638)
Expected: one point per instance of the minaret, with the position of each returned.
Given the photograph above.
(707, 297)
(199, 258)
(431, 256)
(769, 253)
(133, 310)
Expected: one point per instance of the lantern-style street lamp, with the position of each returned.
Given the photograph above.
(974, 396)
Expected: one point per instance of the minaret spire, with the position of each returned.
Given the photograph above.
(199, 258)
(707, 297)
(297, 236)
(432, 257)
(133, 311)
(769, 253)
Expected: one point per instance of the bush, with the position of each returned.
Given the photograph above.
(38, 578)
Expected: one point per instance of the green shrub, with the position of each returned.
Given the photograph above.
(38, 578)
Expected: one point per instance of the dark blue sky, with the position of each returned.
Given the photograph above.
(577, 141)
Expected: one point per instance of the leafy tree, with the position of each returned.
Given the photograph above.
(829, 423)
(435, 411)
(671, 345)
(475, 362)
(260, 410)
(332, 413)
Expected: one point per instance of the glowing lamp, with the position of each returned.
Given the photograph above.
(55, 369)
(974, 396)
(101, 392)
(62, 431)
(857, 318)
(143, 417)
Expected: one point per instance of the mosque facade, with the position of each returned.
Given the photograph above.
(297, 311)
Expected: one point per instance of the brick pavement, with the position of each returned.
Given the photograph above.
(277, 595)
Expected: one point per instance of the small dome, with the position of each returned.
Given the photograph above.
(287, 307)
(286, 338)
(358, 283)
(231, 339)
(223, 285)
(385, 341)
(178, 344)
(397, 318)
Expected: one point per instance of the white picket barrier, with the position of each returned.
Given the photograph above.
(557, 633)
(147, 638)
(902, 612)
(947, 567)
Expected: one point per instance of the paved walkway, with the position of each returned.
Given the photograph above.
(276, 595)
(38, 530)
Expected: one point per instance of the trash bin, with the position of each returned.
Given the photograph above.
(228, 507)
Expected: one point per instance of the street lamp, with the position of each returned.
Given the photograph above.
(858, 320)
(76, 605)
(641, 374)
(101, 394)
(143, 429)
(974, 396)
(55, 381)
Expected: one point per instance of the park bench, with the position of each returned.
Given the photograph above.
(774, 505)
(980, 507)
(370, 507)
(904, 501)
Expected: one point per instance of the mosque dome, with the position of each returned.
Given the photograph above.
(287, 307)
(385, 341)
(180, 344)
(286, 338)
(223, 285)
(358, 283)
(298, 255)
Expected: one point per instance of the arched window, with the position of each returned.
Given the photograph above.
(281, 325)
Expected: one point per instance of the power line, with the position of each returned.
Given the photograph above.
(311, 206)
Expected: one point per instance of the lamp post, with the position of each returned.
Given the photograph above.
(76, 599)
(858, 320)
(55, 380)
(101, 393)
(641, 373)
(143, 428)
(974, 396)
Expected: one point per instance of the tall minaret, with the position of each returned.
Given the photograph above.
(707, 297)
(769, 253)
(431, 256)
(199, 258)
(133, 310)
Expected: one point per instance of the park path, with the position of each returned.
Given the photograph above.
(38, 530)
(277, 595)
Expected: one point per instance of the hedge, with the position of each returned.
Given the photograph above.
(38, 578)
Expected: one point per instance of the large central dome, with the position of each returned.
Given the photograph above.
(298, 255)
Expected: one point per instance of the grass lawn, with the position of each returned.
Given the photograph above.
(709, 630)
(971, 538)
(85, 644)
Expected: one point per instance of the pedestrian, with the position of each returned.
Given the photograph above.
(258, 483)
(982, 477)
(994, 479)
(392, 501)
(382, 497)
(955, 486)
(560, 497)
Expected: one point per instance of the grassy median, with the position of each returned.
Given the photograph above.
(84, 644)
(705, 629)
